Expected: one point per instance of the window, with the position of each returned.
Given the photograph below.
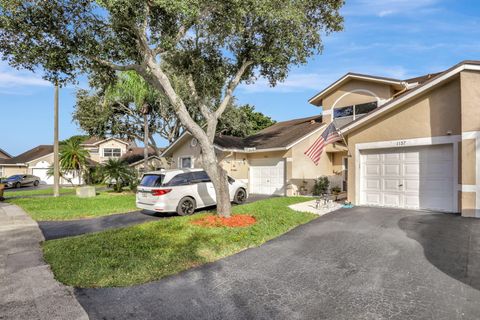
(354, 111)
(186, 163)
(112, 152)
(181, 179)
(200, 176)
(152, 180)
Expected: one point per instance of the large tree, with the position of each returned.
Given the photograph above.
(242, 121)
(215, 44)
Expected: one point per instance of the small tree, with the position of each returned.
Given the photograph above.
(72, 158)
(215, 45)
(117, 172)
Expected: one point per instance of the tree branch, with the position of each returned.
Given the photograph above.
(231, 87)
(117, 67)
(193, 91)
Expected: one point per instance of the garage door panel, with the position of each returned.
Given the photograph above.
(391, 169)
(410, 177)
(372, 169)
(391, 199)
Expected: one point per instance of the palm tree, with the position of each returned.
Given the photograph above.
(118, 172)
(73, 157)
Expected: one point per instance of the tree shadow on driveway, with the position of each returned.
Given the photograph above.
(450, 242)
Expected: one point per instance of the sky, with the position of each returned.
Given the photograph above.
(393, 38)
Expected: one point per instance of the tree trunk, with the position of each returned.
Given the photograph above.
(145, 142)
(218, 175)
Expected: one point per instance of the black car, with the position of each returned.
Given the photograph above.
(20, 180)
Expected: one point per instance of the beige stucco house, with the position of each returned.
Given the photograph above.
(412, 143)
(271, 161)
(36, 161)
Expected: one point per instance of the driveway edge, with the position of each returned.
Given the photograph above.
(28, 289)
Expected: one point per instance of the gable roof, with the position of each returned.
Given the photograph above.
(350, 76)
(30, 155)
(5, 154)
(93, 141)
(408, 95)
(279, 136)
(135, 154)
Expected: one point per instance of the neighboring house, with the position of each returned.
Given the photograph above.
(412, 143)
(271, 161)
(102, 149)
(134, 158)
(35, 161)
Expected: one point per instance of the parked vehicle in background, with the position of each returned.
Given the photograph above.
(20, 180)
(182, 191)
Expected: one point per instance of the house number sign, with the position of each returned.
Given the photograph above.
(401, 143)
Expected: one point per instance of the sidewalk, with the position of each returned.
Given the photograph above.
(28, 289)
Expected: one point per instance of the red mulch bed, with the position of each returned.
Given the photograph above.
(238, 220)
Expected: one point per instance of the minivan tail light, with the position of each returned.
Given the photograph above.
(160, 192)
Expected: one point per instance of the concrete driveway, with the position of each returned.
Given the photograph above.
(361, 263)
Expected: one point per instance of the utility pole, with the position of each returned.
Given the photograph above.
(56, 164)
(145, 111)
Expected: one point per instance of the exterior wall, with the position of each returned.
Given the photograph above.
(96, 153)
(184, 149)
(152, 164)
(470, 146)
(347, 95)
(10, 171)
(434, 114)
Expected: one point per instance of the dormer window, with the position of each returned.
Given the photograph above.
(355, 111)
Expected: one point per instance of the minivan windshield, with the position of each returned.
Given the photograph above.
(152, 180)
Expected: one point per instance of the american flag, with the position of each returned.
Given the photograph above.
(328, 136)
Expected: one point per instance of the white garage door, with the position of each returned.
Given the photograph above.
(267, 176)
(410, 177)
(42, 174)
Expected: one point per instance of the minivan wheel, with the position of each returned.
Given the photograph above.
(36, 183)
(240, 196)
(186, 206)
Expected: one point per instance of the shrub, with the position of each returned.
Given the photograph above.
(321, 186)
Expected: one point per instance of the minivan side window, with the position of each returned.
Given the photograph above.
(200, 176)
(180, 179)
(152, 180)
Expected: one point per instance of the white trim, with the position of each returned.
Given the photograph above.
(353, 91)
(174, 143)
(411, 94)
(474, 135)
(103, 141)
(353, 76)
(470, 135)
(403, 143)
(111, 148)
(326, 112)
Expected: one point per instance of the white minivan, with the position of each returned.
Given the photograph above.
(182, 191)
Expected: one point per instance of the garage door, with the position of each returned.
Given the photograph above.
(410, 177)
(267, 176)
(42, 174)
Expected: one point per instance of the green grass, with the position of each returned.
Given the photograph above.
(37, 192)
(153, 250)
(71, 207)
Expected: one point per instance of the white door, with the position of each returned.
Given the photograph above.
(267, 176)
(410, 177)
(42, 174)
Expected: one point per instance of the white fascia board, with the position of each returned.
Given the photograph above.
(352, 76)
(410, 95)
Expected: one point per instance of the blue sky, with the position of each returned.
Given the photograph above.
(396, 38)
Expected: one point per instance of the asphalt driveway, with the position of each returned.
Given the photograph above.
(361, 263)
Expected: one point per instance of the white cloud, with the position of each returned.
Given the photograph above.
(382, 8)
(11, 78)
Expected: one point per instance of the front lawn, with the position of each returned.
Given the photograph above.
(36, 192)
(153, 250)
(71, 207)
